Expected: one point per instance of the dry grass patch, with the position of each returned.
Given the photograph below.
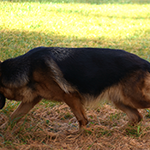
(52, 127)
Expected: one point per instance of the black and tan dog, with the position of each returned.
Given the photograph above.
(76, 76)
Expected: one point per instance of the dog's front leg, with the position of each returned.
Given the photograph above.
(21, 111)
(74, 102)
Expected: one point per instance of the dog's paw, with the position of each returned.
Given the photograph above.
(81, 130)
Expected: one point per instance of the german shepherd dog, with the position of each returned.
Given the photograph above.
(76, 76)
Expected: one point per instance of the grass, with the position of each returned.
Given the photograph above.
(29, 24)
(26, 24)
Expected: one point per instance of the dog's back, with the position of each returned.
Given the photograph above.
(92, 70)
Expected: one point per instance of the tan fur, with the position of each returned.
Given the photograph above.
(133, 95)
(146, 88)
(128, 95)
(112, 94)
(24, 94)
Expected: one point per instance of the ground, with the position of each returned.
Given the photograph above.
(55, 127)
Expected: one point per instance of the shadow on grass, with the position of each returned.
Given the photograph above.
(87, 1)
(15, 42)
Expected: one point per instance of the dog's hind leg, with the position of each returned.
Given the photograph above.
(74, 102)
(132, 113)
(21, 111)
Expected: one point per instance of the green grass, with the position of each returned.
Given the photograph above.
(115, 24)
(86, 1)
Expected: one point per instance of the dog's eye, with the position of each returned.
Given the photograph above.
(2, 101)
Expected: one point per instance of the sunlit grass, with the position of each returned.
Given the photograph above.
(26, 25)
(81, 20)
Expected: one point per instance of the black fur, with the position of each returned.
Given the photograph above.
(90, 70)
(2, 101)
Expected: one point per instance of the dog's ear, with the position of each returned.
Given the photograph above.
(2, 101)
